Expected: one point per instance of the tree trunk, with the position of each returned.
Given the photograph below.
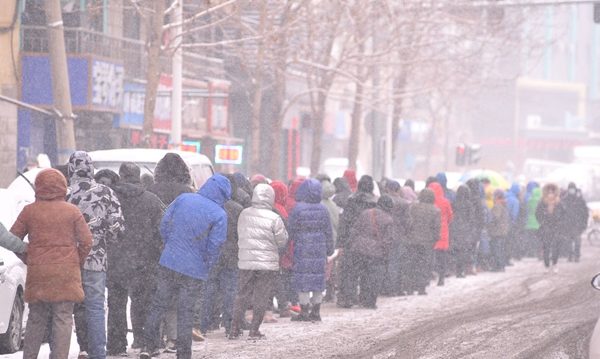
(317, 127)
(275, 165)
(355, 128)
(257, 101)
(153, 44)
(399, 85)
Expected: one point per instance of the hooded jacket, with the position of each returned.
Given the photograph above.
(577, 215)
(552, 224)
(461, 231)
(100, 208)
(328, 191)
(243, 195)
(171, 178)
(513, 204)
(500, 220)
(350, 176)
(194, 227)
(281, 195)
(357, 203)
(372, 233)
(59, 242)
(342, 192)
(261, 232)
(446, 216)
(532, 204)
(139, 246)
(291, 198)
(424, 221)
(310, 229)
(443, 181)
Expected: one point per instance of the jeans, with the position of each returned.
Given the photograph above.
(60, 316)
(186, 289)
(94, 287)
(221, 280)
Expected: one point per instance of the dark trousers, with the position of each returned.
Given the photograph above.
(138, 286)
(574, 240)
(370, 273)
(222, 282)
(418, 267)
(462, 258)
(348, 293)
(254, 289)
(497, 246)
(393, 283)
(551, 245)
(532, 243)
(441, 263)
(285, 292)
(186, 289)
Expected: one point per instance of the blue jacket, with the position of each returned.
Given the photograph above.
(194, 227)
(310, 229)
(513, 203)
(443, 180)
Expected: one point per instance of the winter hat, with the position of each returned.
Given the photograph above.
(129, 172)
(392, 186)
(112, 176)
(172, 168)
(365, 184)
(427, 196)
(386, 203)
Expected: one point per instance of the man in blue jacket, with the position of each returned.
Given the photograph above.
(193, 229)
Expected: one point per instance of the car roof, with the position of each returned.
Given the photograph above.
(145, 155)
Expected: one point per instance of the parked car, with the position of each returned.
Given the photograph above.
(12, 284)
(200, 166)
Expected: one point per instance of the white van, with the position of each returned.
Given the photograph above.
(200, 166)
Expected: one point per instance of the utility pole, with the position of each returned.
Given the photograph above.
(177, 68)
(65, 134)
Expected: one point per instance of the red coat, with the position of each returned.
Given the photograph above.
(446, 216)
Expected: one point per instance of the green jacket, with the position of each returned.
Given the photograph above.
(534, 200)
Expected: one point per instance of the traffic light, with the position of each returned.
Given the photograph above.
(461, 154)
(473, 154)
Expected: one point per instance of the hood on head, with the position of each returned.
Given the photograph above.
(172, 168)
(385, 203)
(463, 194)
(572, 185)
(409, 183)
(258, 178)
(328, 190)
(392, 186)
(427, 196)
(531, 185)
(366, 184)
(476, 188)
(437, 189)
(50, 184)
(350, 176)
(294, 187)
(515, 189)
(243, 182)
(81, 165)
(408, 194)
(498, 194)
(263, 196)
(309, 191)
(281, 192)
(321, 177)
(111, 175)
(130, 172)
(341, 185)
(217, 188)
(442, 179)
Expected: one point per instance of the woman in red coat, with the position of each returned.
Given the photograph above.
(442, 245)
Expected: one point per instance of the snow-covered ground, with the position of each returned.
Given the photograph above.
(477, 316)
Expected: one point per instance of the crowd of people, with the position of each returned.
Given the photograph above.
(192, 262)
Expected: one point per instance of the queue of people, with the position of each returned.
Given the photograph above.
(194, 262)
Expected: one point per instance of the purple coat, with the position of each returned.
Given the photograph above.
(310, 229)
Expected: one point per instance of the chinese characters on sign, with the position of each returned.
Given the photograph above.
(107, 84)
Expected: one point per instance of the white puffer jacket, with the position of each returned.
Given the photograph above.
(261, 232)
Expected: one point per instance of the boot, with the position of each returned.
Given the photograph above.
(315, 313)
(441, 282)
(303, 316)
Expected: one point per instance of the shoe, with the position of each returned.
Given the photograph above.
(342, 304)
(303, 316)
(117, 353)
(147, 353)
(460, 275)
(315, 313)
(82, 355)
(171, 347)
(256, 335)
(268, 318)
(197, 335)
(441, 282)
(295, 308)
(235, 335)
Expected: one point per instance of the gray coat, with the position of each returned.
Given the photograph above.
(11, 242)
(261, 232)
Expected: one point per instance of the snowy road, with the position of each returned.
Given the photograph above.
(522, 313)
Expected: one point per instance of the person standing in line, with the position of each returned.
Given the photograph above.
(362, 200)
(423, 232)
(461, 231)
(443, 244)
(102, 211)
(171, 178)
(498, 230)
(193, 229)
(513, 206)
(395, 274)
(224, 276)
(262, 235)
(334, 217)
(59, 243)
(310, 229)
(551, 214)
(133, 260)
(575, 222)
(371, 240)
(532, 242)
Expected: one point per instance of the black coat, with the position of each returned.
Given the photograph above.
(172, 178)
(461, 227)
(139, 246)
(552, 225)
(356, 204)
(229, 251)
(577, 214)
